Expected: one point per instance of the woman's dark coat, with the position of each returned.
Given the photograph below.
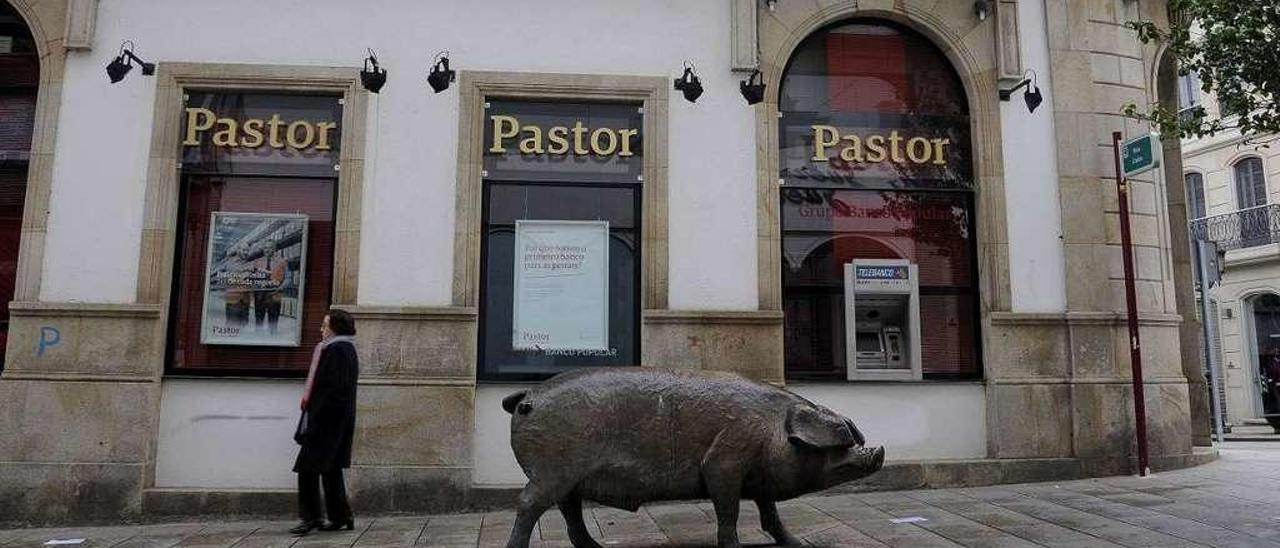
(331, 410)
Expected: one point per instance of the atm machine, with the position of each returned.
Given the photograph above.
(882, 319)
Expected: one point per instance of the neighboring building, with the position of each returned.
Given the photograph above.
(185, 232)
(1233, 197)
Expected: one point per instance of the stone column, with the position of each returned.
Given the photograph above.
(1099, 66)
(1191, 331)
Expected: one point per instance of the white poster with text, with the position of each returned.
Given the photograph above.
(561, 286)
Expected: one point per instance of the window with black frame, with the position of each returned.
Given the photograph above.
(561, 246)
(876, 164)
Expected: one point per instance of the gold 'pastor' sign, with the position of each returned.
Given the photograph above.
(557, 140)
(878, 148)
(275, 131)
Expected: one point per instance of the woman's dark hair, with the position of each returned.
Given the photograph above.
(341, 322)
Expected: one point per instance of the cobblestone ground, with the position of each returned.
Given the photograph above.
(1232, 502)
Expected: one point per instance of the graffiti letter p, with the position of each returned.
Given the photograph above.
(49, 337)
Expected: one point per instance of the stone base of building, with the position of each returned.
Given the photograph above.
(75, 502)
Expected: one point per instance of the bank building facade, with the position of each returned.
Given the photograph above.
(882, 220)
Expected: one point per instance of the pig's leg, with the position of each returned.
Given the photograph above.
(722, 473)
(772, 524)
(571, 508)
(724, 485)
(534, 500)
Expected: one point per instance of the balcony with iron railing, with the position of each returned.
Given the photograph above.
(1249, 227)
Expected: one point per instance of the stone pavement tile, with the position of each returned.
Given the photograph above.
(1219, 513)
(1016, 524)
(274, 535)
(161, 536)
(878, 524)
(495, 528)
(1092, 524)
(626, 527)
(683, 523)
(222, 535)
(803, 520)
(452, 530)
(949, 525)
(1053, 536)
(552, 528)
(94, 537)
(1246, 488)
(842, 536)
(392, 531)
(325, 539)
(936, 495)
(901, 534)
(552, 522)
(1100, 526)
(1150, 518)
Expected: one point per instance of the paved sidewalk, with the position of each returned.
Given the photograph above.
(1232, 502)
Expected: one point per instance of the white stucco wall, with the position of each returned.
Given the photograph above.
(912, 421)
(227, 433)
(1037, 265)
(103, 131)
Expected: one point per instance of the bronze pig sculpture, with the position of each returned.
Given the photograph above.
(626, 436)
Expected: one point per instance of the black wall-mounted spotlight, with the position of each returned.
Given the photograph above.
(441, 75)
(770, 4)
(982, 9)
(372, 77)
(123, 63)
(689, 84)
(753, 87)
(1032, 95)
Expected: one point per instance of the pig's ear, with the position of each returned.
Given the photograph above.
(810, 427)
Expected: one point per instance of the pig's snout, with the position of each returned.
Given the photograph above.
(866, 459)
(859, 462)
(876, 457)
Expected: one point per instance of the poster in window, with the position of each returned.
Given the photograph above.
(254, 279)
(561, 285)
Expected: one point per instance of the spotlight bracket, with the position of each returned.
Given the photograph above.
(1033, 95)
(1007, 94)
(119, 67)
(753, 87)
(441, 75)
(689, 84)
(372, 78)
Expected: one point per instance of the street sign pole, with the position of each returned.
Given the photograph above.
(1203, 248)
(1131, 304)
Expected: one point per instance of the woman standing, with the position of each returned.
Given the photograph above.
(327, 426)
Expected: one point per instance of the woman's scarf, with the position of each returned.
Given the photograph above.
(315, 361)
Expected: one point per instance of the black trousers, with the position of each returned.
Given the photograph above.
(266, 304)
(335, 496)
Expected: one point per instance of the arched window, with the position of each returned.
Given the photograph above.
(1195, 195)
(1251, 184)
(19, 79)
(876, 164)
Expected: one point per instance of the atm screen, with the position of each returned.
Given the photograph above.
(869, 341)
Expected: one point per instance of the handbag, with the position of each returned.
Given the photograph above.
(304, 425)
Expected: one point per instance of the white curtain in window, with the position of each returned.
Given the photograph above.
(1251, 185)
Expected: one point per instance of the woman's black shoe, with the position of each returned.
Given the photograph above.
(339, 526)
(306, 527)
